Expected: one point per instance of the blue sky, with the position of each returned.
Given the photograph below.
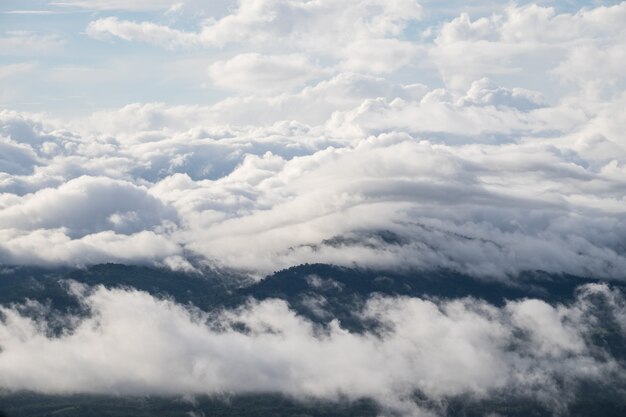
(70, 72)
(55, 67)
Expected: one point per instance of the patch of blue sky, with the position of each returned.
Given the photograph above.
(74, 73)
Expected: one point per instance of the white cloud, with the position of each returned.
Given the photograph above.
(502, 169)
(135, 5)
(314, 104)
(53, 247)
(16, 159)
(522, 43)
(350, 30)
(86, 205)
(379, 55)
(492, 181)
(11, 70)
(262, 73)
(597, 70)
(485, 93)
(299, 21)
(141, 32)
(29, 43)
(515, 44)
(134, 343)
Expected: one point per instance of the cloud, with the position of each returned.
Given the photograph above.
(597, 70)
(516, 45)
(522, 39)
(386, 183)
(494, 168)
(314, 104)
(26, 43)
(260, 21)
(484, 92)
(16, 159)
(295, 25)
(259, 73)
(492, 181)
(86, 205)
(11, 70)
(53, 247)
(136, 344)
(379, 55)
(134, 5)
(141, 32)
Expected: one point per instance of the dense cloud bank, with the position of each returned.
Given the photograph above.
(511, 159)
(484, 188)
(133, 343)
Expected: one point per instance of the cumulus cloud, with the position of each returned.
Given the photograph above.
(522, 39)
(351, 30)
(512, 160)
(300, 22)
(523, 46)
(86, 205)
(141, 32)
(16, 158)
(374, 36)
(52, 247)
(492, 182)
(133, 343)
(484, 92)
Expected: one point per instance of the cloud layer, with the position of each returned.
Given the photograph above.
(492, 182)
(488, 144)
(133, 343)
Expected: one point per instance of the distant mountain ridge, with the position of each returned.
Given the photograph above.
(211, 290)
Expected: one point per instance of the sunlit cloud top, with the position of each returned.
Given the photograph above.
(260, 134)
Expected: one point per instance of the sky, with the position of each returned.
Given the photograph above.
(255, 135)
(75, 57)
(250, 136)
